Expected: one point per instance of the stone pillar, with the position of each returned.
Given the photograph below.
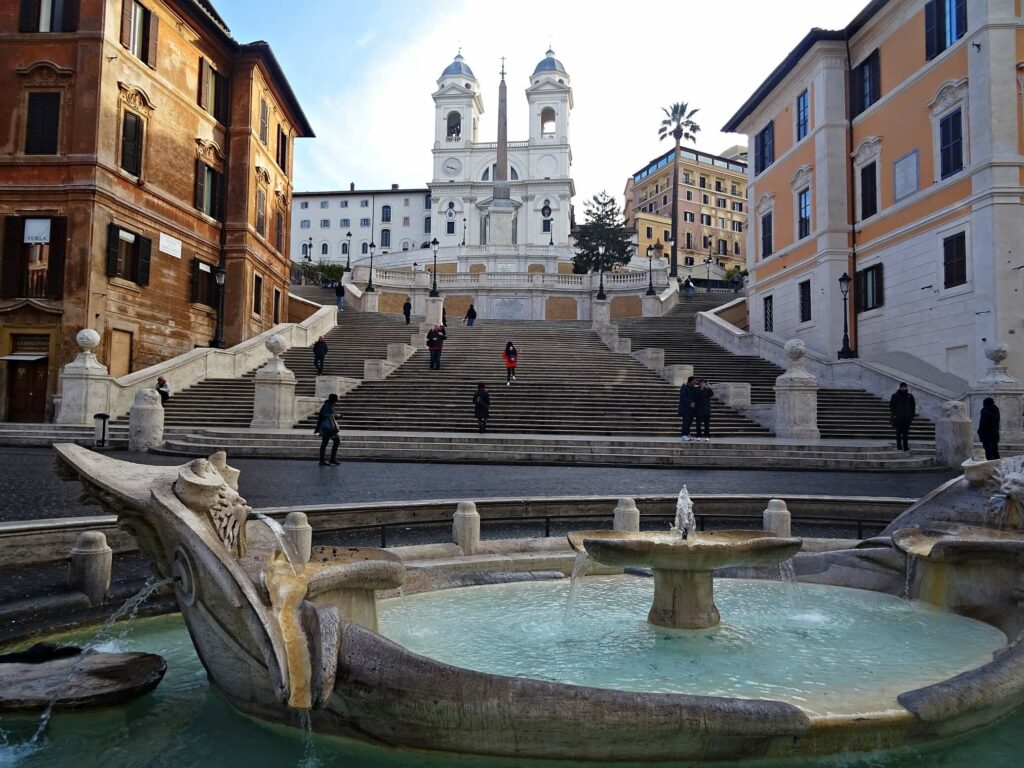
(299, 533)
(953, 438)
(627, 516)
(1007, 391)
(466, 527)
(600, 312)
(274, 405)
(89, 566)
(735, 394)
(435, 309)
(146, 421)
(776, 518)
(84, 383)
(370, 302)
(796, 397)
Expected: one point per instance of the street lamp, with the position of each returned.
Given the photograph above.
(707, 263)
(650, 274)
(600, 288)
(844, 288)
(348, 251)
(369, 283)
(309, 250)
(218, 335)
(463, 230)
(433, 287)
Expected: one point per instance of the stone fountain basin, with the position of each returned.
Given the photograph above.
(704, 551)
(957, 541)
(364, 568)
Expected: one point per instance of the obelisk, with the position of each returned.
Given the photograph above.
(501, 211)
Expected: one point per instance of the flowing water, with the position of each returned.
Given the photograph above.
(685, 522)
(282, 539)
(579, 567)
(787, 573)
(911, 570)
(310, 758)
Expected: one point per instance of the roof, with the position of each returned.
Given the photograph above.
(266, 54)
(549, 64)
(337, 192)
(815, 36)
(458, 67)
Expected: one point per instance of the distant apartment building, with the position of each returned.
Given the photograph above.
(145, 158)
(712, 207)
(891, 151)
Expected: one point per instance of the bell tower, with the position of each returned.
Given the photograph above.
(550, 100)
(457, 110)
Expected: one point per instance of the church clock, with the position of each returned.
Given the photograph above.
(452, 166)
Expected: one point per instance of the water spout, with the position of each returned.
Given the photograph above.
(911, 569)
(685, 522)
(579, 567)
(788, 575)
(310, 759)
(282, 539)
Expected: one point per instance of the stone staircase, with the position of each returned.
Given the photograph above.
(842, 413)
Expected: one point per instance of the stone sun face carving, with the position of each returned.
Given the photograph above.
(1007, 493)
(209, 488)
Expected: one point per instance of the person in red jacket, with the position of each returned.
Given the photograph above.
(511, 358)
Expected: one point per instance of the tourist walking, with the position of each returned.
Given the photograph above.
(687, 406)
(319, 355)
(988, 428)
(339, 294)
(444, 317)
(481, 406)
(470, 317)
(511, 358)
(688, 287)
(902, 410)
(702, 409)
(407, 310)
(435, 343)
(164, 390)
(328, 429)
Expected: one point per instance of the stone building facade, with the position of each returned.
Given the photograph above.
(146, 151)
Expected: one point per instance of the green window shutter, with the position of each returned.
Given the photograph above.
(145, 250)
(13, 268)
(113, 245)
(55, 269)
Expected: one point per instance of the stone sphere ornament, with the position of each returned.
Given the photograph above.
(795, 349)
(276, 344)
(87, 339)
(996, 352)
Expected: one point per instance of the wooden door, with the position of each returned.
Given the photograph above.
(26, 390)
(120, 353)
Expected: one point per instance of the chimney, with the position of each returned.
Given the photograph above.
(394, 186)
(351, 186)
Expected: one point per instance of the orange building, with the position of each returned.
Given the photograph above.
(144, 153)
(891, 151)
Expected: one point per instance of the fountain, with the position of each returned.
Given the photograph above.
(683, 562)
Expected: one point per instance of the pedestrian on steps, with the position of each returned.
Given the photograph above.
(163, 389)
(988, 428)
(902, 410)
(702, 409)
(319, 355)
(688, 286)
(470, 317)
(407, 310)
(339, 294)
(511, 358)
(435, 343)
(481, 406)
(328, 429)
(687, 406)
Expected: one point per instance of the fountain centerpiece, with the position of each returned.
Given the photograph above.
(684, 561)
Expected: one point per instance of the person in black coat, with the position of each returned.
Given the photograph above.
(988, 428)
(470, 317)
(435, 343)
(702, 407)
(687, 406)
(407, 310)
(319, 355)
(481, 406)
(902, 410)
(327, 428)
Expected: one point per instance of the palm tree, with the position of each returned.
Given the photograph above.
(678, 124)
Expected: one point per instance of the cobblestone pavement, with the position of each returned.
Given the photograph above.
(31, 490)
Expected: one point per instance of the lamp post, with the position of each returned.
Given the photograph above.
(348, 251)
(844, 288)
(551, 233)
(433, 286)
(707, 263)
(369, 283)
(219, 276)
(650, 274)
(463, 230)
(600, 288)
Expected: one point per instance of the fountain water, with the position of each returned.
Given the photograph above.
(282, 540)
(685, 523)
(787, 573)
(579, 567)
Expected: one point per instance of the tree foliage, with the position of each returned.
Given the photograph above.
(605, 226)
(679, 123)
(322, 272)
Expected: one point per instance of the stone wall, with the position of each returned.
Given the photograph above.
(626, 306)
(560, 308)
(391, 302)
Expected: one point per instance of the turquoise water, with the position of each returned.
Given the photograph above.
(185, 724)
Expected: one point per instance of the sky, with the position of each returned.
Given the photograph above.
(364, 72)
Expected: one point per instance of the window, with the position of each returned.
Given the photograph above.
(865, 84)
(805, 301)
(951, 144)
(426, 225)
(279, 232)
(764, 148)
(304, 224)
(139, 28)
(426, 202)
(405, 203)
(718, 185)
(868, 191)
(450, 227)
(705, 200)
(365, 248)
(344, 249)
(204, 284)
(257, 294)
(326, 223)
(42, 127)
(650, 232)
(737, 226)
(282, 148)
(733, 190)
(132, 130)
(48, 16)
(870, 292)
(689, 195)
(721, 223)
(265, 128)
(405, 221)
(209, 190)
(364, 222)
(686, 178)
(213, 92)
(385, 238)
(803, 226)
(736, 248)
(33, 258)
(802, 115)
(343, 203)
(954, 260)
(666, 235)
(703, 182)
(364, 203)
(689, 245)
(945, 22)
(304, 204)
(738, 207)
(128, 255)
(323, 204)
(385, 214)
(720, 202)
(261, 213)
(454, 125)
(325, 249)
(705, 219)
(546, 227)
(664, 199)
(277, 306)
(766, 236)
(723, 247)
(345, 223)
(547, 122)
(769, 314)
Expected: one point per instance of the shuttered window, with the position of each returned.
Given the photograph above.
(282, 149)
(764, 149)
(865, 84)
(868, 191)
(209, 192)
(261, 213)
(42, 127)
(945, 22)
(139, 31)
(954, 260)
(870, 289)
(132, 129)
(213, 91)
(32, 270)
(128, 255)
(264, 122)
(279, 232)
(204, 284)
(48, 16)
(805, 301)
